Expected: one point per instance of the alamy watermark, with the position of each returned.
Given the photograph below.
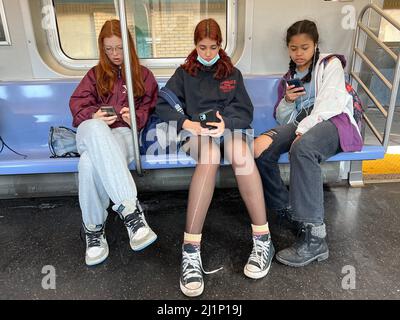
(349, 280)
(164, 144)
(349, 21)
(49, 280)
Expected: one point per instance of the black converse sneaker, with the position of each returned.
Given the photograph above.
(191, 282)
(139, 232)
(260, 258)
(96, 246)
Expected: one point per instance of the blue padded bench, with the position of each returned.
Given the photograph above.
(28, 109)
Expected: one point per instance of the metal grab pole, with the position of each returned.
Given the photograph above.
(394, 87)
(392, 105)
(129, 86)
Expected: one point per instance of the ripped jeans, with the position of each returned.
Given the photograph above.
(305, 194)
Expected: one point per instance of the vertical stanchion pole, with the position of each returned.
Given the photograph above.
(129, 84)
(392, 105)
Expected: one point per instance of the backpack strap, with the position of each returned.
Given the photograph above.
(3, 144)
(169, 96)
(281, 90)
(358, 110)
(341, 58)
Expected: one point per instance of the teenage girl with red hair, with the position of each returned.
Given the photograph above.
(208, 80)
(105, 143)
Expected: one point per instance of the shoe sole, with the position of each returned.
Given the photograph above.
(256, 275)
(319, 258)
(151, 238)
(191, 293)
(259, 275)
(98, 261)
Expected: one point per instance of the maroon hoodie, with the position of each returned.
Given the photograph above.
(85, 101)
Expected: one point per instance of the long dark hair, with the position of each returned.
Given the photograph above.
(309, 28)
(209, 28)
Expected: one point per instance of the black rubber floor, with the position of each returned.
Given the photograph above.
(363, 234)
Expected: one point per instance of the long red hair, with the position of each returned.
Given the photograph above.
(106, 74)
(209, 28)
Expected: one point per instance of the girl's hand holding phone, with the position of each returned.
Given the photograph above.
(193, 127)
(293, 93)
(102, 115)
(219, 128)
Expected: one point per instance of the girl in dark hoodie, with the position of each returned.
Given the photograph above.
(208, 80)
(105, 143)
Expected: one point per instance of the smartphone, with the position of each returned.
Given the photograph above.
(110, 110)
(295, 82)
(208, 116)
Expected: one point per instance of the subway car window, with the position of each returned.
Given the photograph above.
(4, 34)
(387, 32)
(162, 28)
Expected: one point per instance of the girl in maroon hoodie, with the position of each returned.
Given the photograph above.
(105, 144)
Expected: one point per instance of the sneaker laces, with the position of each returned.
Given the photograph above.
(193, 266)
(93, 238)
(260, 251)
(135, 221)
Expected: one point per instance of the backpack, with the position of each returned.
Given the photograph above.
(169, 96)
(146, 135)
(156, 133)
(62, 142)
(358, 111)
(357, 107)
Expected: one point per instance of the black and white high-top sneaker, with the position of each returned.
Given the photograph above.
(96, 246)
(260, 258)
(191, 281)
(139, 232)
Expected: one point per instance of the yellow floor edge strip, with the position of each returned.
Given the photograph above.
(389, 165)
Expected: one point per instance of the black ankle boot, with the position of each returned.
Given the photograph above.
(310, 246)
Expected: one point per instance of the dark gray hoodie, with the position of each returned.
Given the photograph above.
(203, 92)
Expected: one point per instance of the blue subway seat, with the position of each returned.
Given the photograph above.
(41, 163)
(29, 109)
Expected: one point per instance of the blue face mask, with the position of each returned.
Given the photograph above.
(208, 63)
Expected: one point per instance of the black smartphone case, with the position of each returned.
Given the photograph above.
(110, 111)
(296, 82)
(208, 116)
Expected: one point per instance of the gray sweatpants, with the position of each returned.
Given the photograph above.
(103, 171)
